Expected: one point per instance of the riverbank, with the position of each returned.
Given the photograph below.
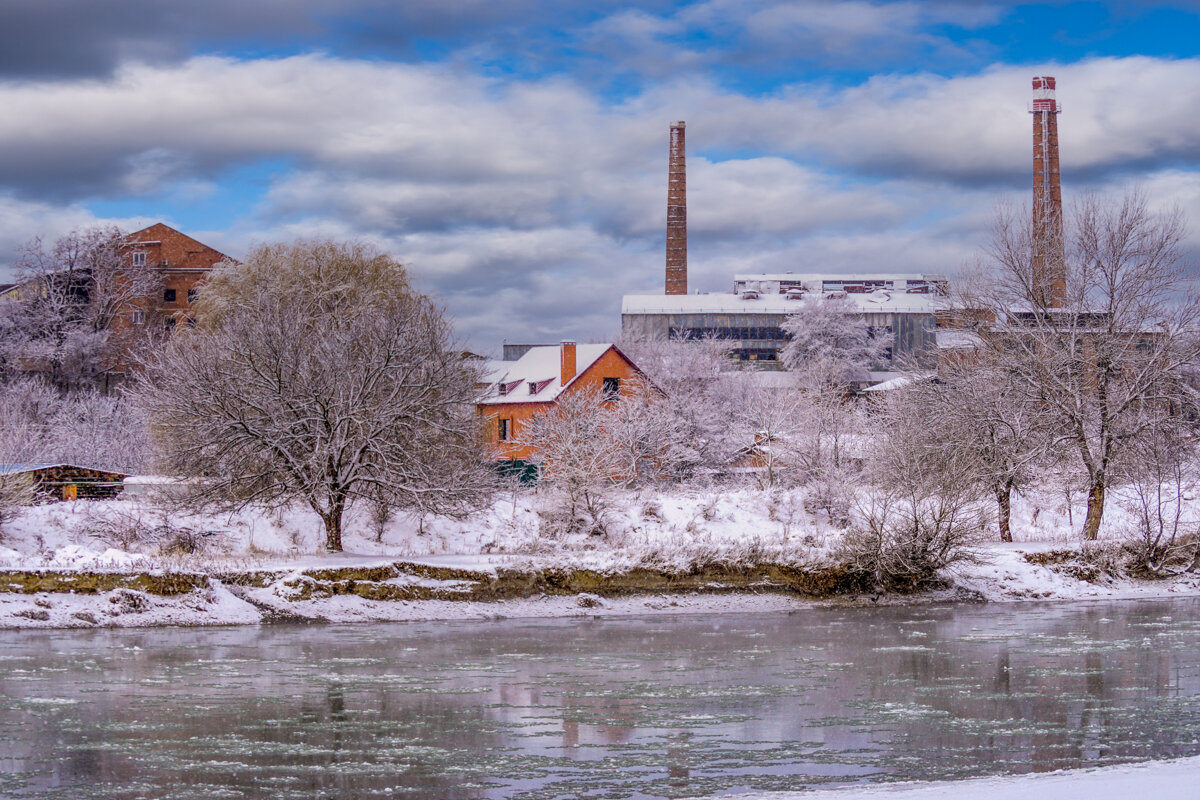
(138, 562)
(357, 588)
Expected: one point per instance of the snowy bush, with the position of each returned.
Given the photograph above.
(903, 541)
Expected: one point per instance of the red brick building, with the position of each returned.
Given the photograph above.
(519, 390)
(183, 263)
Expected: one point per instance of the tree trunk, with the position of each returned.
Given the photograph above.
(333, 524)
(1095, 510)
(1004, 503)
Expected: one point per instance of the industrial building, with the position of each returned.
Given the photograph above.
(751, 317)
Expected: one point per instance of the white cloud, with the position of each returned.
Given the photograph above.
(531, 206)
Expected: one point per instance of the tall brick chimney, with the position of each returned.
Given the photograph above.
(677, 214)
(567, 361)
(1049, 264)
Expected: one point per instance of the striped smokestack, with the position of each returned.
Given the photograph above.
(1049, 265)
(677, 214)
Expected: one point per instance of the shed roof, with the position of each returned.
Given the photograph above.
(18, 469)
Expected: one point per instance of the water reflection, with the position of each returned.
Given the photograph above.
(655, 707)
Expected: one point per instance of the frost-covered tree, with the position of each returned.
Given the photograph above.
(774, 421)
(576, 454)
(316, 372)
(1162, 469)
(1113, 343)
(830, 350)
(39, 424)
(698, 401)
(918, 509)
(983, 412)
(831, 343)
(70, 293)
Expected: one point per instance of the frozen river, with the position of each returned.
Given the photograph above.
(652, 707)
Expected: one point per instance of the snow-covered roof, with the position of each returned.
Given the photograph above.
(730, 303)
(814, 277)
(18, 469)
(535, 376)
(897, 383)
(952, 339)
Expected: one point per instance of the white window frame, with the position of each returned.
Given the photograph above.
(139, 258)
(138, 315)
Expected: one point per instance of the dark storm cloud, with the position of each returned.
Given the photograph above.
(74, 38)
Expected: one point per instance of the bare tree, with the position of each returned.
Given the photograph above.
(39, 424)
(573, 447)
(1163, 472)
(1115, 340)
(698, 384)
(774, 420)
(919, 510)
(984, 413)
(317, 372)
(831, 348)
(831, 344)
(71, 293)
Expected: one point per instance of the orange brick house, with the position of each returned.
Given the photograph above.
(183, 263)
(517, 391)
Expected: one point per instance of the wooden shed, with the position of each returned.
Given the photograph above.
(67, 481)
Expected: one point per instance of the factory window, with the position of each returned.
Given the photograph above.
(168, 295)
(611, 390)
(505, 429)
(139, 259)
(138, 316)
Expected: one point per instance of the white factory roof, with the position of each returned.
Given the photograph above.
(536, 376)
(815, 277)
(883, 301)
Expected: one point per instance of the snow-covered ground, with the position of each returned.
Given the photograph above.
(673, 531)
(1162, 780)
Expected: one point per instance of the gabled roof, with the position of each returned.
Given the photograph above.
(536, 376)
(20, 469)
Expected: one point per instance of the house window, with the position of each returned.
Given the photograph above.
(139, 259)
(505, 429)
(139, 316)
(168, 295)
(192, 295)
(611, 390)
(169, 323)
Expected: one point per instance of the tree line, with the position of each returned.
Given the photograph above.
(315, 371)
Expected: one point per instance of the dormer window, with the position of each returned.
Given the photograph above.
(139, 259)
(537, 386)
(509, 387)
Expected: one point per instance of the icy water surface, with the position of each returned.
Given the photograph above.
(651, 707)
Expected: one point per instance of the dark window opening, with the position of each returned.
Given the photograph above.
(191, 295)
(770, 333)
(611, 390)
(505, 429)
(168, 295)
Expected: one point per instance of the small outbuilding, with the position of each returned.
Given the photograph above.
(67, 481)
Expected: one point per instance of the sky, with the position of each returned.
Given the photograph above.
(513, 153)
